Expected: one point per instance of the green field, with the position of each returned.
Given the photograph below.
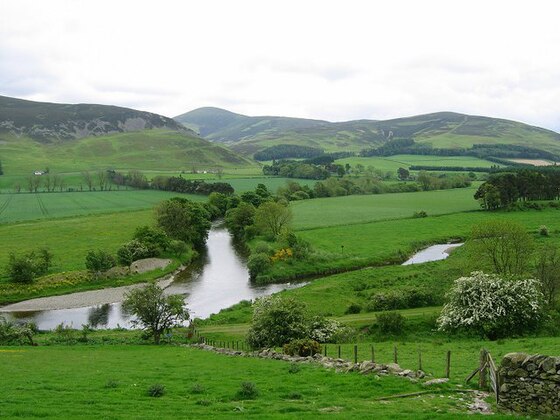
(392, 163)
(69, 239)
(112, 382)
(158, 150)
(366, 208)
(26, 206)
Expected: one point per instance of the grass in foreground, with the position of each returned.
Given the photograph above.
(113, 381)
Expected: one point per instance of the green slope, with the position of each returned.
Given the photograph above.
(442, 130)
(144, 150)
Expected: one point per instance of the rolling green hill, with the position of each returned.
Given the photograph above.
(248, 135)
(69, 138)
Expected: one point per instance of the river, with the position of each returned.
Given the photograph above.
(216, 281)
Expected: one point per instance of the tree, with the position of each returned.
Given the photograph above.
(240, 217)
(132, 251)
(153, 238)
(403, 173)
(102, 180)
(504, 244)
(273, 218)
(88, 179)
(491, 306)
(1, 170)
(99, 261)
(548, 273)
(277, 321)
(155, 312)
(184, 220)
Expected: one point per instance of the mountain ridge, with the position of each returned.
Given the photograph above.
(446, 129)
(48, 121)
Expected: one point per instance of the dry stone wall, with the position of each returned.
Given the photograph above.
(530, 383)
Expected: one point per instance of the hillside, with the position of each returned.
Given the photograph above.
(47, 122)
(66, 138)
(441, 130)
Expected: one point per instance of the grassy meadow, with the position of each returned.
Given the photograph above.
(392, 163)
(31, 206)
(83, 381)
(355, 209)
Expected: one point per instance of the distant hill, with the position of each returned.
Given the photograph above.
(36, 135)
(45, 121)
(248, 135)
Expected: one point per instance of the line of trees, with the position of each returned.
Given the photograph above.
(504, 189)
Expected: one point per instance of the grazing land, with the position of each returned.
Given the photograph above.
(82, 381)
(31, 206)
(392, 163)
(366, 208)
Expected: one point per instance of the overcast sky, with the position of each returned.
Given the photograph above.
(334, 60)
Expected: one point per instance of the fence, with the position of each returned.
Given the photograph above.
(356, 353)
(487, 370)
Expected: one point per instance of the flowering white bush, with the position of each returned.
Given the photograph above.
(491, 305)
(322, 329)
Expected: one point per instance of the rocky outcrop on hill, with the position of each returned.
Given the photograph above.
(47, 121)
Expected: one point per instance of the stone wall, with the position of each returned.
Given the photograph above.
(530, 383)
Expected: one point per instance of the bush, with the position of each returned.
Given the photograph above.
(303, 347)
(354, 308)
(99, 261)
(491, 306)
(420, 214)
(132, 251)
(294, 368)
(277, 321)
(154, 239)
(543, 230)
(401, 299)
(177, 247)
(156, 390)
(390, 322)
(322, 329)
(258, 264)
(25, 268)
(198, 389)
(11, 333)
(247, 391)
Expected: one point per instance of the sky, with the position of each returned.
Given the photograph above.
(333, 60)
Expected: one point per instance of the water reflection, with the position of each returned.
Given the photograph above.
(219, 279)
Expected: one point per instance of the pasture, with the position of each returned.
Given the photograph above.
(31, 206)
(354, 209)
(112, 381)
(392, 163)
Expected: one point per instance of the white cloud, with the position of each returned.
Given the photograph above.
(334, 60)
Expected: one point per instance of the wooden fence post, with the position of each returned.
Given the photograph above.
(395, 354)
(355, 353)
(372, 354)
(448, 364)
(482, 369)
(419, 360)
(339, 351)
(325, 350)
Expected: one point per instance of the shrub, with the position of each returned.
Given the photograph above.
(322, 329)
(390, 322)
(111, 383)
(11, 333)
(262, 248)
(401, 299)
(177, 247)
(156, 390)
(99, 261)
(132, 251)
(277, 321)
(354, 308)
(294, 368)
(258, 264)
(154, 239)
(247, 391)
(25, 268)
(303, 347)
(198, 389)
(543, 230)
(491, 306)
(420, 214)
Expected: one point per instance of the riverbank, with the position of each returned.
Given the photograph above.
(81, 299)
(60, 284)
